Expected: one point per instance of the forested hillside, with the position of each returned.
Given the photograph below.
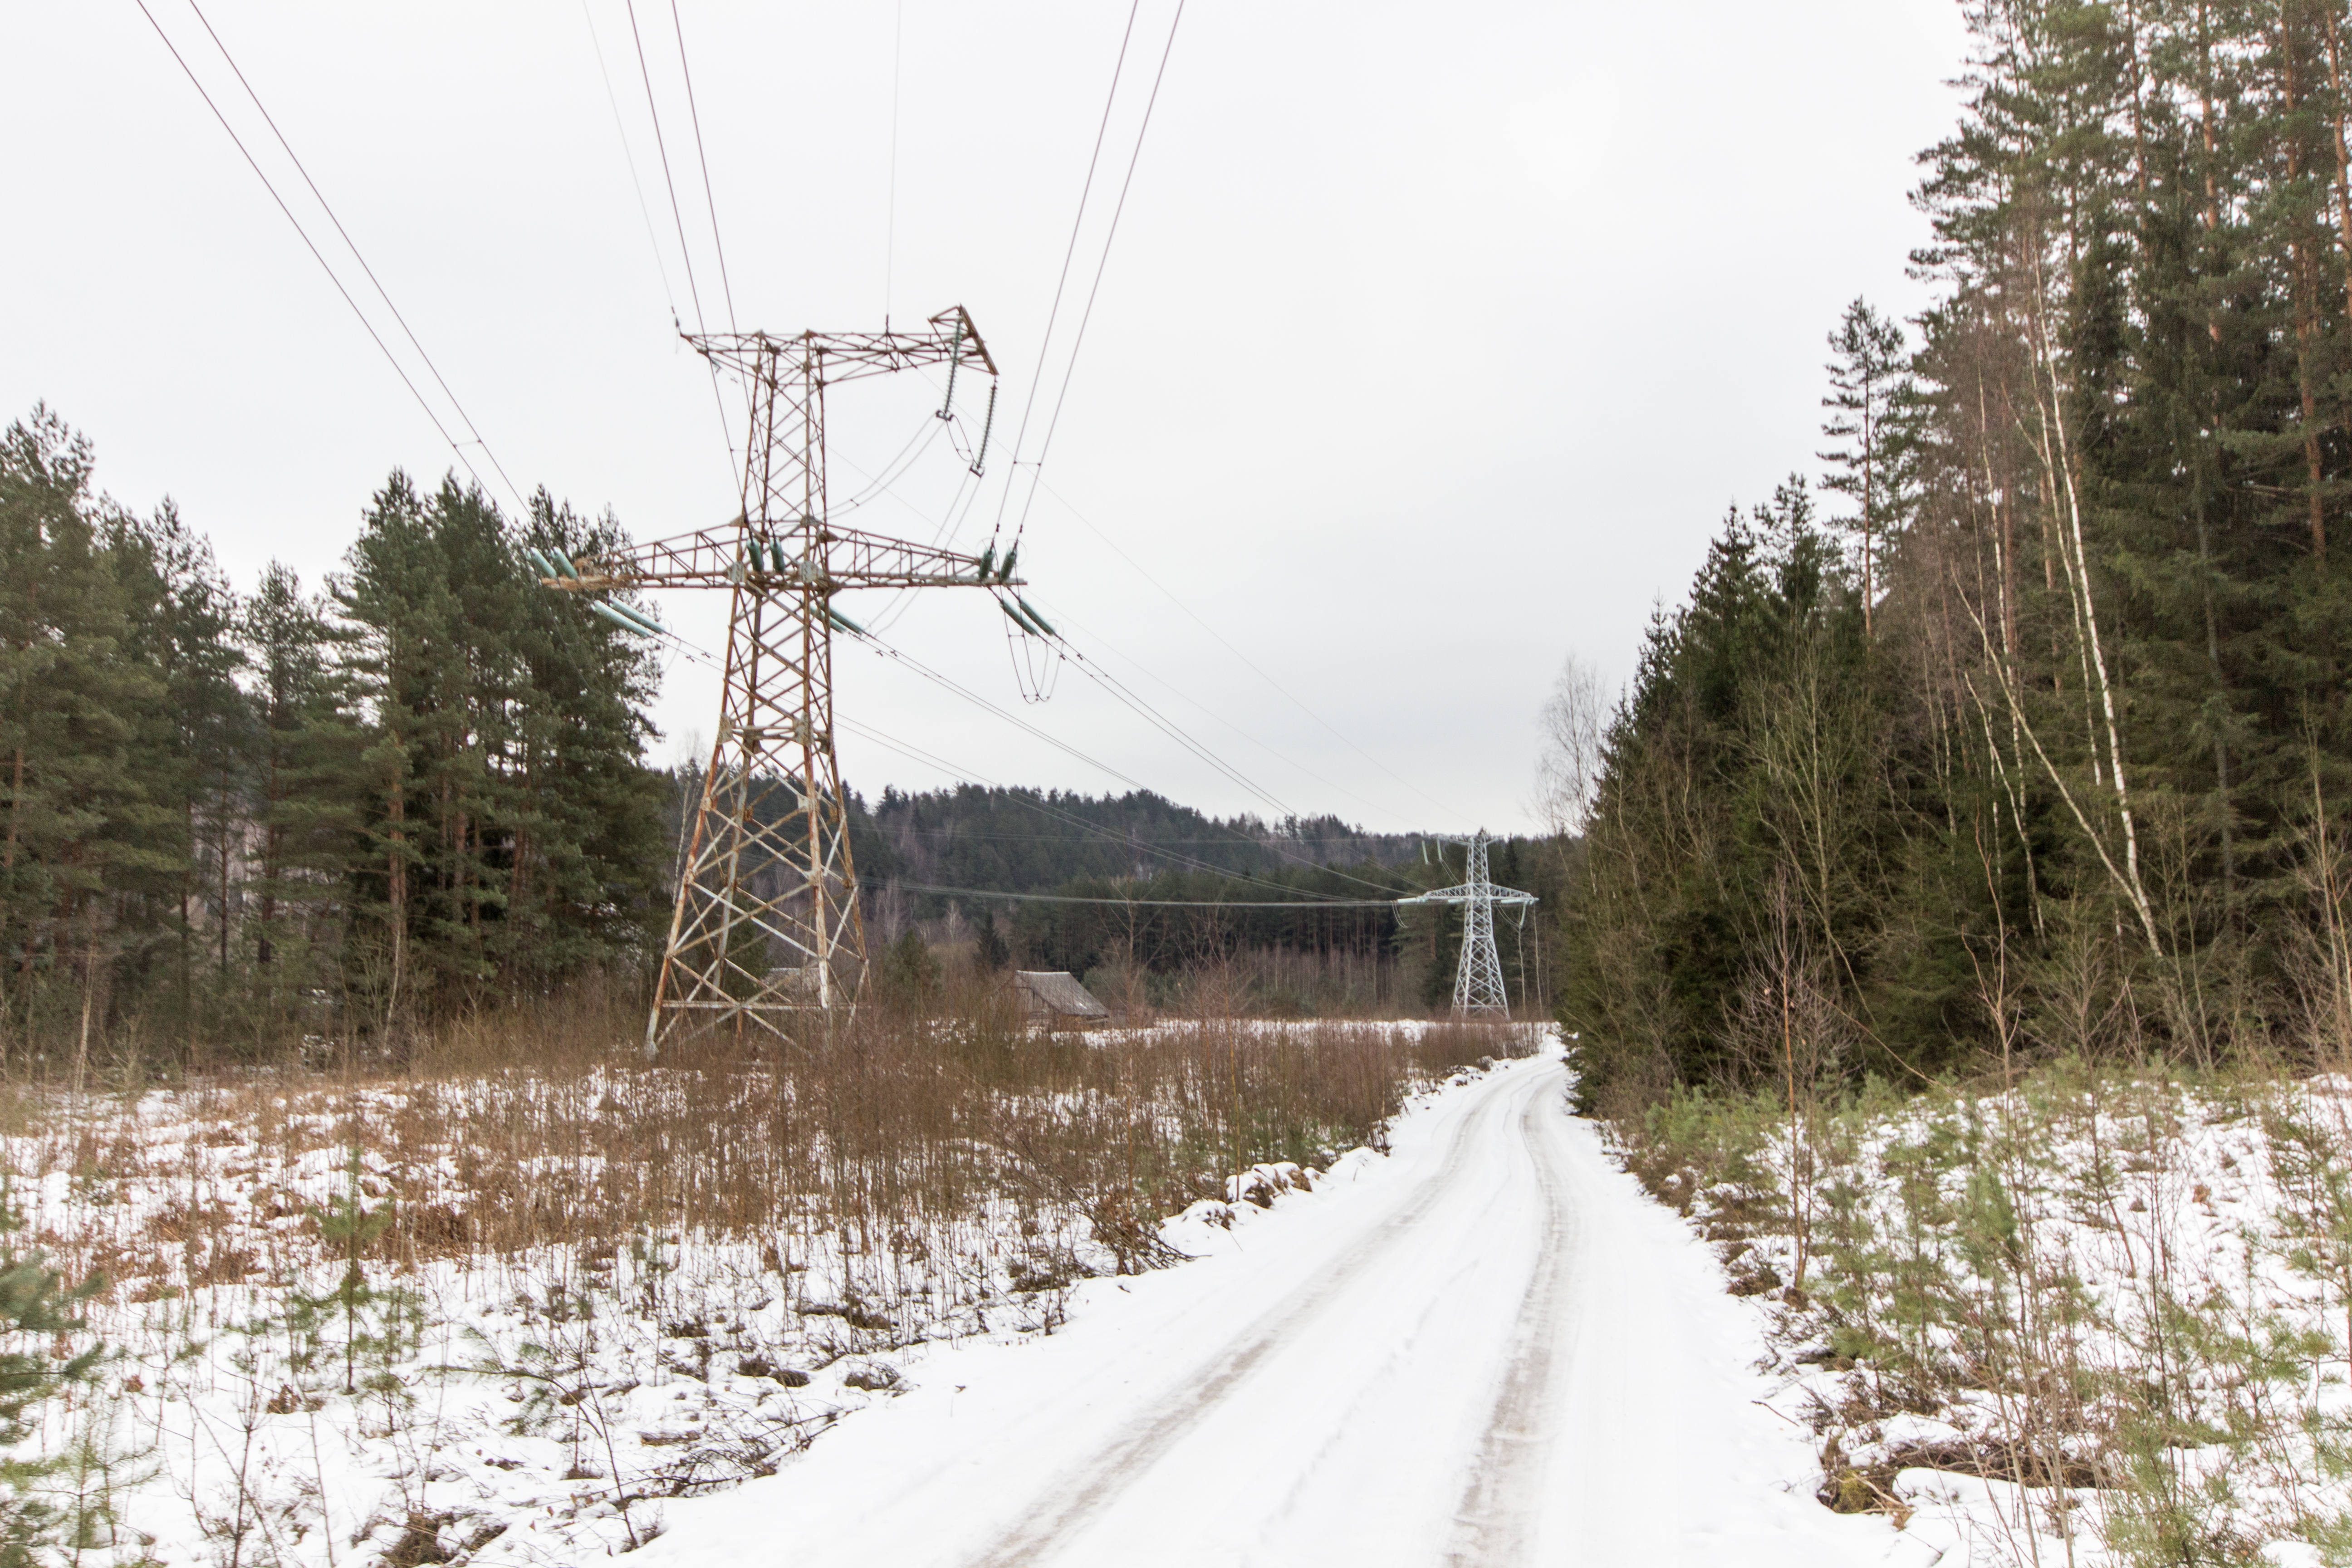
(1027, 840)
(2031, 733)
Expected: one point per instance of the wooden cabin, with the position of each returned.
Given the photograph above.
(1053, 999)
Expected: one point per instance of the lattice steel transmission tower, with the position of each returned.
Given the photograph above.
(1478, 980)
(767, 922)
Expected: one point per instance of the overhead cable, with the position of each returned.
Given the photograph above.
(1180, 691)
(327, 207)
(1078, 342)
(1170, 594)
(906, 749)
(629, 156)
(1136, 904)
(677, 216)
(1077, 221)
(311, 245)
(709, 202)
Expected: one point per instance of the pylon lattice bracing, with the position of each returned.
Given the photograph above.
(1478, 980)
(767, 922)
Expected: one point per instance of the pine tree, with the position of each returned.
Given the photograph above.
(38, 1316)
(86, 853)
(989, 949)
(585, 879)
(350, 1225)
(1870, 392)
(305, 804)
(196, 746)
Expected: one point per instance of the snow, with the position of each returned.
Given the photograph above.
(1489, 1347)
(2142, 1208)
(1486, 1344)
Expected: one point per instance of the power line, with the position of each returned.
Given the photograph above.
(1134, 703)
(1137, 904)
(628, 156)
(1078, 343)
(311, 245)
(1120, 692)
(890, 244)
(928, 673)
(886, 650)
(709, 202)
(677, 216)
(327, 207)
(1192, 614)
(1063, 616)
(1138, 843)
(1077, 221)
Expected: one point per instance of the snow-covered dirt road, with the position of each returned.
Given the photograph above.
(1488, 1348)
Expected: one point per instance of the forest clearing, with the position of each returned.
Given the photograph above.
(1454, 998)
(507, 1304)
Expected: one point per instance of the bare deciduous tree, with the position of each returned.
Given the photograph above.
(1574, 719)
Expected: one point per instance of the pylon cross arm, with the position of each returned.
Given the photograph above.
(1464, 895)
(798, 555)
(850, 356)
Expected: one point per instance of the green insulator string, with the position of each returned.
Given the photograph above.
(979, 458)
(955, 360)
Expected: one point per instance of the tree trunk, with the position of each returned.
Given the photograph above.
(396, 880)
(2307, 330)
(2343, 156)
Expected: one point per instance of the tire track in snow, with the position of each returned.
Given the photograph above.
(1492, 1523)
(1128, 1455)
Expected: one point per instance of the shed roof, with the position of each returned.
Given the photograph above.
(1058, 991)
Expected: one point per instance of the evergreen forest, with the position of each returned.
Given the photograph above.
(2022, 729)
(419, 792)
(233, 820)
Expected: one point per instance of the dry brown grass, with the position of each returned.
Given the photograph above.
(912, 1138)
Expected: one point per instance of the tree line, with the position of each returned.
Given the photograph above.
(997, 839)
(233, 820)
(228, 817)
(1172, 921)
(2025, 730)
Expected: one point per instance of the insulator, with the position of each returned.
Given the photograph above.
(1042, 623)
(614, 615)
(979, 458)
(645, 621)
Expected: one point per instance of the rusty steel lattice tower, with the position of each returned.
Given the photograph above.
(767, 921)
(1478, 980)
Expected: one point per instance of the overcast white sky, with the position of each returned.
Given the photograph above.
(1435, 342)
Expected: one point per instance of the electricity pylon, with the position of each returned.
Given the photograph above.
(1478, 980)
(767, 922)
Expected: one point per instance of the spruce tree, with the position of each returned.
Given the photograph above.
(87, 854)
(1870, 393)
(305, 800)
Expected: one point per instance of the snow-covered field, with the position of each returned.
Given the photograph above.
(2068, 1325)
(2097, 1321)
(731, 1274)
(1487, 1347)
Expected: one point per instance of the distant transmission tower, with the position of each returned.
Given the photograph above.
(1478, 980)
(767, 922)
